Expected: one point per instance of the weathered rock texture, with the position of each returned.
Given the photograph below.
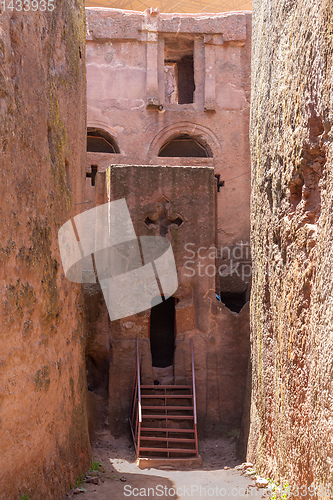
(292, 233)
(43, 425)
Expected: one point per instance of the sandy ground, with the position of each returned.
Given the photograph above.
(121, 478)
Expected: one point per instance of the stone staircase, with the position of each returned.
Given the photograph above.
(164, 423)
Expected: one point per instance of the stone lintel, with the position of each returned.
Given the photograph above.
(104, 24)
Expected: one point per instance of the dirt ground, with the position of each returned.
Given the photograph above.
(121, 478)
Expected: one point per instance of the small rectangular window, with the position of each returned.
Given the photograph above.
(179, 71)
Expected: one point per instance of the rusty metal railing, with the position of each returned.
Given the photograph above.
(194, 401)
(139, 394)
(135, 416)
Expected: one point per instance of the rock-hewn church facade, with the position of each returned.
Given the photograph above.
(168, 113)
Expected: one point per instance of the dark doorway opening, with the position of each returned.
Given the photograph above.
(179, 81)
(162, 333)
(234, 301)
(186, 85)
(179, 70)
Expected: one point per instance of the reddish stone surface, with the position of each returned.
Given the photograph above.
(292, 336)
(43, 425)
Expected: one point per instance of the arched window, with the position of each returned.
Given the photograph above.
(184, 146)
(99, 141)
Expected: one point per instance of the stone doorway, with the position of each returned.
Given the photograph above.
(162, 340)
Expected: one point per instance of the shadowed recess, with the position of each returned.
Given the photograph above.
(99, 141)
(162, 333)
(184, 146)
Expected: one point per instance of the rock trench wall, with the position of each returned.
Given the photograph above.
(43, 424)
(292, 233)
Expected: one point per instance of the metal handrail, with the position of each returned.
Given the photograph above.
(194, 403)
(139, 377)
(139, 396)
(193, 384)
(132, 406)
(135, 416)
(133, 409)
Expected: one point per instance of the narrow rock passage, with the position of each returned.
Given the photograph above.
(120, 477)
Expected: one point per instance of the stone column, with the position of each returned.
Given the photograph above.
(209, 104)
(151, 29)
(199, 71)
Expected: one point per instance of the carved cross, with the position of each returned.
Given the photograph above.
(162, 218)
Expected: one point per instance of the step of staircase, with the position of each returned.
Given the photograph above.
(168, 408)
(169, 463)
(164, 423)
(167, 404)
(170, 387)
(167, 439)
(168, 417)
(169, 396)
(167, 430)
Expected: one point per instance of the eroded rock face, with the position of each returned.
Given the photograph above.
(292, 233)
(43, 427)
